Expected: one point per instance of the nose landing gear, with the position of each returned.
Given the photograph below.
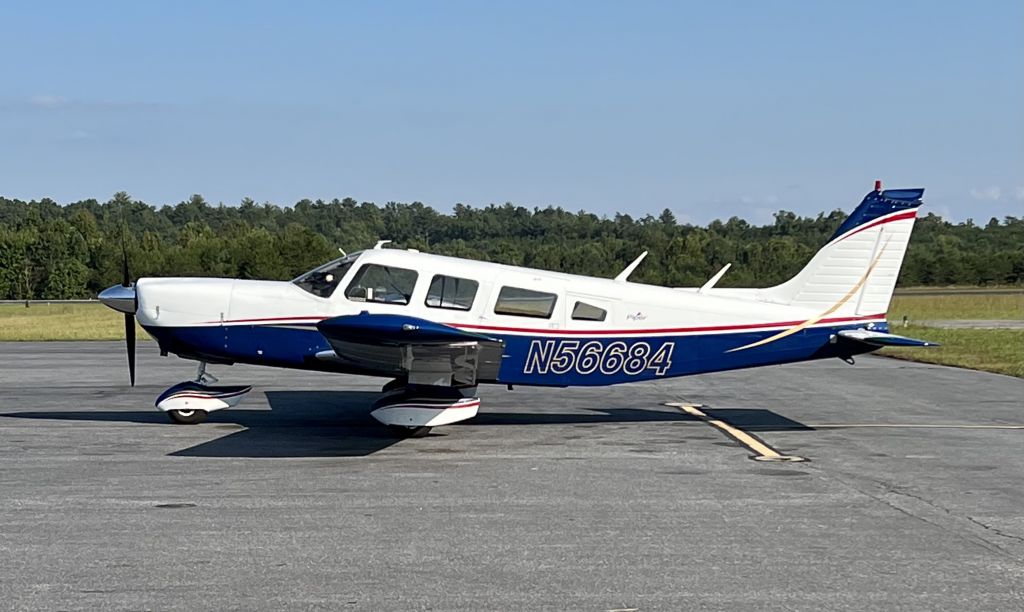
(190, 402)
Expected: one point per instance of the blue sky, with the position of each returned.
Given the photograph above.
(710, 109)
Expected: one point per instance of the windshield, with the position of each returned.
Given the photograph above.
(324, 280)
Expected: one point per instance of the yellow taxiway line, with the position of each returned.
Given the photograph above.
(762, 452)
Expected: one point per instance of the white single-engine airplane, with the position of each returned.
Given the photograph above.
(439, 326)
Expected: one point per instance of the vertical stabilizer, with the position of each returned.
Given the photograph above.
(855, 273)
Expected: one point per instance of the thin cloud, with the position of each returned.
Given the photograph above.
(44, 102)
(986, 193)
(47, 101)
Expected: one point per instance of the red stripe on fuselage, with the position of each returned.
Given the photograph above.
(268, 319)
(599, 332)
(665, 330)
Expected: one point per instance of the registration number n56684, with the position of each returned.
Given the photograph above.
(590, 357)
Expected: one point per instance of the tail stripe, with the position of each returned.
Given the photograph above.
(897, 216)
(846, 298)
(854, 256)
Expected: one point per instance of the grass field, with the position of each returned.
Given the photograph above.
(62, 322)
(956, 306)
(993, 350)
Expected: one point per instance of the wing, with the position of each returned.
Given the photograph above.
(426, 352)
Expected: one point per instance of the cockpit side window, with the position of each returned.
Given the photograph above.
(382, 285)
(324, 280)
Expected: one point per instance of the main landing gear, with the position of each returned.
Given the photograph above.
(189, 402)
(411, 411)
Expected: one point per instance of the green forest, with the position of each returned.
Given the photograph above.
(53, 251)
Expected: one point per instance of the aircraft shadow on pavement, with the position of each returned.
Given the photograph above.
(750, 419)
(338, 424)
(298, 424)
(756, 419)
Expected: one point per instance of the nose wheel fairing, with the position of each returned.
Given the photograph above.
(190, 401)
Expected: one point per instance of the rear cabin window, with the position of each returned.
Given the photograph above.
(382, 285)
(585, 312)
(451, 292)
(525, 303)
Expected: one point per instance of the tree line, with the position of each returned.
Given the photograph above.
(53, 251)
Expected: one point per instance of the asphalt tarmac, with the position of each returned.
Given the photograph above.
(911, 498)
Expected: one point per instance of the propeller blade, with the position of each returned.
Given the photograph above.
(126, 280)
(129, 319)
(129, 337)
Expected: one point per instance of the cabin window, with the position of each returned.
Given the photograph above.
(586, 312)
(525, 303)
(324, 280)
(451, 292)
(382, 285)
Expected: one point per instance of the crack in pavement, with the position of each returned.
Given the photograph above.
(930, 512)
(994, 530)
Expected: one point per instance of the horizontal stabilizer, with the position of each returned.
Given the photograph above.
(882, 339)
(392, 330)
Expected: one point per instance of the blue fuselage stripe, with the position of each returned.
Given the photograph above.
(530, 360)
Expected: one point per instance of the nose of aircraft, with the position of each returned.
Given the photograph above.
(120, 298)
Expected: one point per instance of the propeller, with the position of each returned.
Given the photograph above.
(123, 299)
(129, 318)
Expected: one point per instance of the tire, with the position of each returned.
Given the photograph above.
(402, 431)
(187, 417)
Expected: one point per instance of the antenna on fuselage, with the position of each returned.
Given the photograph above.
(714, 279)
(342, 251)
(380, 244)
(629, 269)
